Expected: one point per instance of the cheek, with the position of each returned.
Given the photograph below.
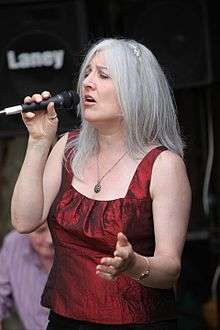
(110, 99)
(38, 241)
(116, 106)
(37, 245)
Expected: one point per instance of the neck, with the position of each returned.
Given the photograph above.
(111, 141)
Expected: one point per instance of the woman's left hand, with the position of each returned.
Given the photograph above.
(124, 258)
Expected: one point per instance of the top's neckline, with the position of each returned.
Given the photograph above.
(130, 184)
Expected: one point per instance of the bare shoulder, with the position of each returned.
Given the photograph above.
(169, 174)
(59, 147)
(61, 143)
(169, 161)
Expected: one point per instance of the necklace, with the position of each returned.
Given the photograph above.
(98, 187)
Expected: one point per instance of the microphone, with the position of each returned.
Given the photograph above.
(63, 100)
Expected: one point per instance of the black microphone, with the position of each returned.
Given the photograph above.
(63, 100)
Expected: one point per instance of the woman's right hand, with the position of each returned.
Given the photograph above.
(41, 124)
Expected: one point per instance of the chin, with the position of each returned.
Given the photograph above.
(87, 115)
(91, 117)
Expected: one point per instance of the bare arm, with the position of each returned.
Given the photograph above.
(27, 199)
(40, 176)
(37, 186)
(171, 195)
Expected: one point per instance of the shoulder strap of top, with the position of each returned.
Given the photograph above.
(150, 158)
(72, 135)
(153, 153)
(140, 182)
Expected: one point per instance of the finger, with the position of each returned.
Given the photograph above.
(106, 272)
(27, 99)
(51, 113)
(45, 94)
(122, 240)
(28, 115)
(106, 269)
(106, 261)
(36, 98)
(50, 108)
(121, 254)
(116, 262)
(105, 276)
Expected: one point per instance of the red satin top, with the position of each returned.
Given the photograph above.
(85, 230)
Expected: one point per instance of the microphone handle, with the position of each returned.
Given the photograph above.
(64, 100)
(58, 101)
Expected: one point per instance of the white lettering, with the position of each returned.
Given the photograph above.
(48, 58)
(12, 64)
(24, 61)
(58, 58)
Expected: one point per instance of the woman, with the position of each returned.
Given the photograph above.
(115, 192)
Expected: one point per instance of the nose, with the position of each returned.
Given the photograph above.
(89, 82)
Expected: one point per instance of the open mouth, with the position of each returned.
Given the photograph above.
(89, 99)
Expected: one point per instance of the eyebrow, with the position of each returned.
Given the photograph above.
(98, 66)
(102, 67)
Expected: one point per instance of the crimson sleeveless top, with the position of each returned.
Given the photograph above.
(85, 230)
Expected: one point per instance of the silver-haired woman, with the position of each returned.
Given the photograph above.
(115, 193)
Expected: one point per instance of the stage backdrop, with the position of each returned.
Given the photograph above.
(41, 46)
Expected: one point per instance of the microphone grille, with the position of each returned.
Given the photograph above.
(70, 98)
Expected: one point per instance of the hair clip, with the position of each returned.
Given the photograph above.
(136, 50)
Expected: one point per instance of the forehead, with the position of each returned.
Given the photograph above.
(98, 59)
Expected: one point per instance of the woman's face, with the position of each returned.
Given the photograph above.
(100, 101)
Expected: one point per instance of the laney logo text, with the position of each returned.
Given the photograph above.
(48, 58)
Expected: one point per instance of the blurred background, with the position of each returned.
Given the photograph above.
(42, 44)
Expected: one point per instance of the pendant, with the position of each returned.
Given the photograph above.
(97, 187)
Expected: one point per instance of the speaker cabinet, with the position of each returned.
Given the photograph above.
(40, 46)
(213, 8)
(176, 31)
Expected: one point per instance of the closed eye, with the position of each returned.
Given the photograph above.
(104, 76)
(86, 74)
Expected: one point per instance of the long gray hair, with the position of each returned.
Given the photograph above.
(145, 97)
